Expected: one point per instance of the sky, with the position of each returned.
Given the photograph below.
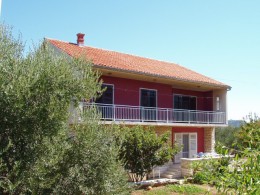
(220, 39)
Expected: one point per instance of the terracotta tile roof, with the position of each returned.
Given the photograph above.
(126, 62)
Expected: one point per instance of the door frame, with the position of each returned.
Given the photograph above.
(142, 113)
(192, 150)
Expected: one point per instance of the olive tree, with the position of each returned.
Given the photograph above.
(39, 151)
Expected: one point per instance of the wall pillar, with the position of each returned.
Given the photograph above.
(209, 140)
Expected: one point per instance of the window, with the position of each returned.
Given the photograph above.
(107, 96)
(148, 98)
(185, 102)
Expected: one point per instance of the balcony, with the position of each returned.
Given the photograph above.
(163, 116)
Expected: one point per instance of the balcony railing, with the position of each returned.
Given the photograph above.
(113, 112)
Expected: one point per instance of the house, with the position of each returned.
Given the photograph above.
(143, 91)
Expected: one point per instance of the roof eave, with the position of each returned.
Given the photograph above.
(164, 77)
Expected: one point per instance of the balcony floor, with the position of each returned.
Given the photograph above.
(182, 124)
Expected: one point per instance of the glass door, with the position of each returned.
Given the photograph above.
(188, 142)
(148, 103)
(105, 102)
(185, 145)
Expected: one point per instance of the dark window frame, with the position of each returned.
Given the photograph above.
(149, 101)
(185, 102)
(102, 98)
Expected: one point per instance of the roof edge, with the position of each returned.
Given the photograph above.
(164, 77)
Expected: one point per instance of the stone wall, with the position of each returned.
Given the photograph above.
(186, 165)
(209, 140)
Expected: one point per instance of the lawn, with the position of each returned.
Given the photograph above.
(177, 189)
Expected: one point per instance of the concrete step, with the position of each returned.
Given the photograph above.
(172, 172)
(173, 165)
(170, 176)
(169, 170)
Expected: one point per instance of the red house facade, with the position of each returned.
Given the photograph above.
(143, 91)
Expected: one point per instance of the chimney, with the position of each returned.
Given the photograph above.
(80, 39)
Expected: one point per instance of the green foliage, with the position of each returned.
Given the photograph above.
(226, 136)
(89, 163)
(249, 134)
(208, 170)
(173, 189)
(142, 149)
(39, 152)
(239, 175)
(200, 177)
(186, 189)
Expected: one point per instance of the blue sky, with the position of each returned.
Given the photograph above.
(220, 38)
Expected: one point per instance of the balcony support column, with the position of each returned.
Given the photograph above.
(209, 140)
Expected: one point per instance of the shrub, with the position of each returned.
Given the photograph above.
(241, 174)
(200, 178)
(142, 149)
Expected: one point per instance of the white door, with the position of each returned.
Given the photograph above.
(188, 142)
(192, 145)
(178, 139)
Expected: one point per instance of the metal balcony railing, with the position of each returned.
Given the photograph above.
(113, 112)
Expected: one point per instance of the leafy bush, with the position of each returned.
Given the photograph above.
(248, 135)
(239, 175)
(225, 136)
(200, 178)
(142, 149)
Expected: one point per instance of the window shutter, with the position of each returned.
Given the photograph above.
(178, 139)
(193, 145)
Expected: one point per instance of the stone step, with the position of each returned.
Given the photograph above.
(174, 165)
(177, 170)
(172, 172)
(170, 176)
(169, 170)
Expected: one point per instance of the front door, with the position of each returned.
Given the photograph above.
(188, 141)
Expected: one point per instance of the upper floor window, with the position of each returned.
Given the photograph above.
(108, 95)
(148, 98)
(185, 102)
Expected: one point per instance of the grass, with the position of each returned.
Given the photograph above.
(173, 189)
(189, 189)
